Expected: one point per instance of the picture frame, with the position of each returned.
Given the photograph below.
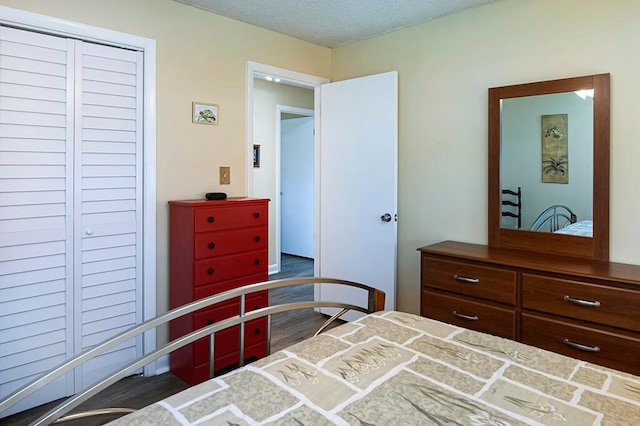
(555, 148)
(204, 113)
(256, 155)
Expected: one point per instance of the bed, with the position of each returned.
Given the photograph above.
(390, 367)
(397, 368)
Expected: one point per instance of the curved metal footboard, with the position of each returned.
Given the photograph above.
(375, 302)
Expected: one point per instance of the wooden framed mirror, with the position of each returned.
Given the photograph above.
(543, 129)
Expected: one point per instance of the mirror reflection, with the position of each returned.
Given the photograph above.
(546, 163)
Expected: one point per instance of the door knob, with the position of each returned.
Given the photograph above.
(385, 217)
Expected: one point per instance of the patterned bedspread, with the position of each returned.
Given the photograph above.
(393, 368)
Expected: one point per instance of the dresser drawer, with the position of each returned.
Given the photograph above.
(223, 362)
(225, 242)
(228, 341)
(485, 282)
(589, 302)
(598, 346)
(219, 218)
(469, 314)
(227, 267)
(210, 289)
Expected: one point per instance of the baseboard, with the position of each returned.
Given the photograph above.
(162, 365)
(274, 269)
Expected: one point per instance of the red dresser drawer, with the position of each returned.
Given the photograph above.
(215, 288)
(227, 267)
(219, 218)
(201, 372)
(226, 242)
(227, 341)
(229, 309)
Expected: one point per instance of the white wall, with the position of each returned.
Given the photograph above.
(445, 68)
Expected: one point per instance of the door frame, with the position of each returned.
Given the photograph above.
(303, 112)
(293, 78)
(42, 23)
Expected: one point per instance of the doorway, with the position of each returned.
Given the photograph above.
(283, 101)
(295, 192)
(358, 115)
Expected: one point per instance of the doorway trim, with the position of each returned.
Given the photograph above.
(293, 78)
(42, 23)
(304, 112)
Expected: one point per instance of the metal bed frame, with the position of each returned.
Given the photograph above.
(375, 302)
(556, 216)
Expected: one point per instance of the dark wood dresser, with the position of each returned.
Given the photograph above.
(585, 309)
(215, 246)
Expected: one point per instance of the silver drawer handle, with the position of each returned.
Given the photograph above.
(465, 317)
(466, 279)
(585, 348)
(581, 302)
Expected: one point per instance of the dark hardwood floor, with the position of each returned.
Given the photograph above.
(137, 391)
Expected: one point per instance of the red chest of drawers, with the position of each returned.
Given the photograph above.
(215, 246)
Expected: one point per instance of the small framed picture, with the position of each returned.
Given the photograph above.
(256, 155)
(205, 113)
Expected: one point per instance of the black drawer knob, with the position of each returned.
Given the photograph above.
(257, 239)
(212, 245)
(256, 215)
(256, 262)
(211, 271)
(256, 331)
(211, 219)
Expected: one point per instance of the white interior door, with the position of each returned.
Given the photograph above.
(358, 186)
(107, 203)
(296, 175)
(35, 205)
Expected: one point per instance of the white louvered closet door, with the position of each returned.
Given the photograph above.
(107, 202)
(70, 206)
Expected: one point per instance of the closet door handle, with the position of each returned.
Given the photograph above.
(465, 317)
(580, 302)
(466, 279)
(581, 347)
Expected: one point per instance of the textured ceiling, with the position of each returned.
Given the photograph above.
(334, 23)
